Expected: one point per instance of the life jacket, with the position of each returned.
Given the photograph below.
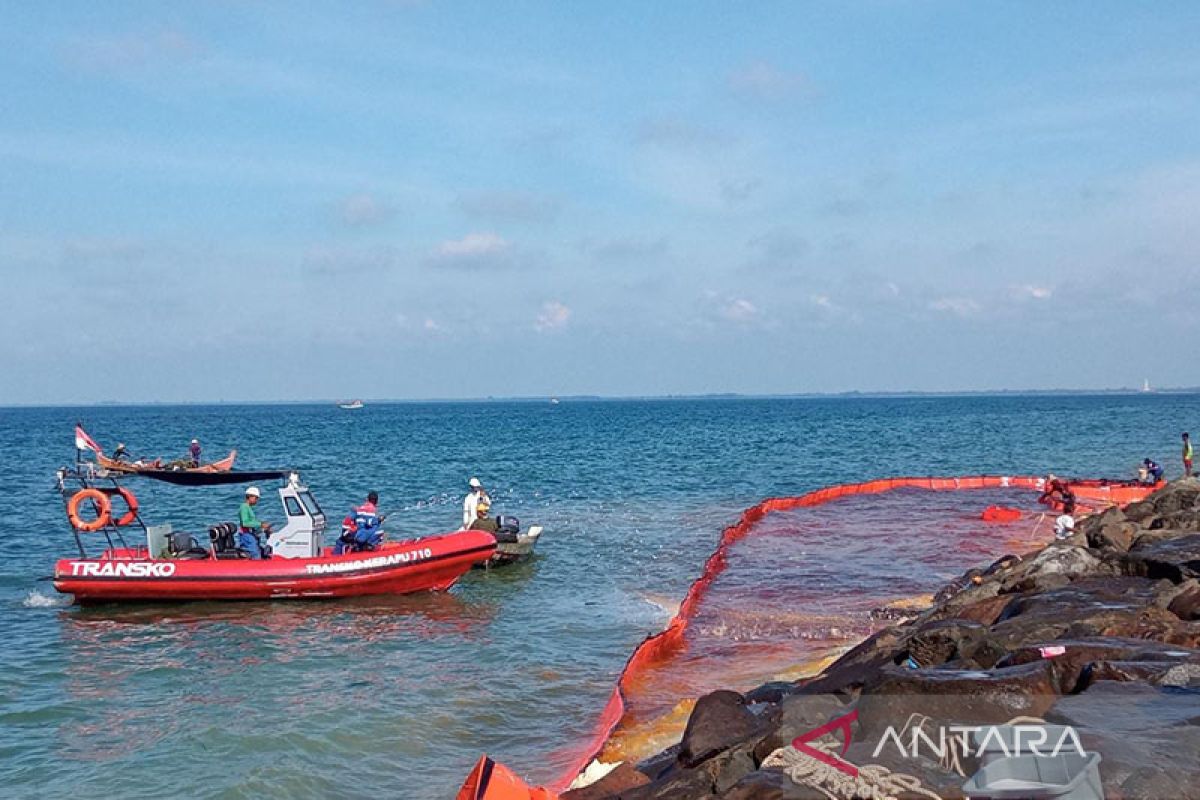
(366, 517)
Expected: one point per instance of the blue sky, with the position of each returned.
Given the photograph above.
(235, 200)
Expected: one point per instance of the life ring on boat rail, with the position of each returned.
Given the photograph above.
(100, 503)
(131, 502)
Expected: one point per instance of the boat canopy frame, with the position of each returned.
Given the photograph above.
(87, 475)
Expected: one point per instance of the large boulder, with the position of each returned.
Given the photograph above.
(1186, 603)
(1115, 536)
(1176, 558)
(719, 720)
(956, 696)
(939, 642)
(621, 779)
(1055, 562)
(796, 715)
(848, 673)
(1086, 608)
(1136, 727)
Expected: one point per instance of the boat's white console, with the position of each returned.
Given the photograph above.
(303, 535)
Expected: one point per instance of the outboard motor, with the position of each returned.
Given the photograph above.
(507, 528)
(224, 537)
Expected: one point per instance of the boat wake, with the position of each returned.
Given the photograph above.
(36, 599)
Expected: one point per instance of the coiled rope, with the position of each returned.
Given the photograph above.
(874, 781)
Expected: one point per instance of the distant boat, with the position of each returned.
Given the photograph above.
(351, 405)
(553, 401)
(1146, 385)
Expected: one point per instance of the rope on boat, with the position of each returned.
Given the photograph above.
(874, 781)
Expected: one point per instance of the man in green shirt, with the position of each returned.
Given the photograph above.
(248, 525)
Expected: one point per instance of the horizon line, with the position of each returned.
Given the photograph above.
(852, 393)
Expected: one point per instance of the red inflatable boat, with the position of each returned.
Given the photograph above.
(141, 562)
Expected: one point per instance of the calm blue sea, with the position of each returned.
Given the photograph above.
(397, 697)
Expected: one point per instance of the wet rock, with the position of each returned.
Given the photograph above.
(1137, 727)
(688, 784)
(771, 784)
(621, 779)
(796, 715)
(985, 611)
(730, 767)
(946, 640)
(848, 673)
(771, 692)
(1157, 782)
(1176, 558)
(719, 720)
(1186, 604)
(1086, 608)
(961, 696)
(659, 764)
(1057, 559)
(1174, 498)
(1116, 536)
(1139, 511)
(1155, 673)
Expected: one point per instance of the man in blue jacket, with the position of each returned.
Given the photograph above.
(363, 529)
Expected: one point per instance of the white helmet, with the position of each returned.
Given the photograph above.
(195, 441)
(253, 492)
(474, 483)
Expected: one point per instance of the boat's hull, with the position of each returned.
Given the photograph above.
(510, 552)
(433, 563)
(112, 465)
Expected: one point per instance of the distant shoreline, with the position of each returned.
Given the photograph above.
(852, 395)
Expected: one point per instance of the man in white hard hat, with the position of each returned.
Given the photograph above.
(471, 502)
(248, 525)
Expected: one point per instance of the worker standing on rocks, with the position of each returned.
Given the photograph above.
(1187, 455)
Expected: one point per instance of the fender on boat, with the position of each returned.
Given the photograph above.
(492, 781)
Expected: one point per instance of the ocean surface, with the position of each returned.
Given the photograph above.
(396, 697)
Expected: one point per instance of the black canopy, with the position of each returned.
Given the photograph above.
(184, 478)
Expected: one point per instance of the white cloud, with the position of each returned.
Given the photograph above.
(553, 315)
(1034, 292)
(475, 251)
(958, 306)
(739, 309)
(473, 244)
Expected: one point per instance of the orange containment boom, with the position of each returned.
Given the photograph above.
(1001, 514)
(660, 647)
(492, 781)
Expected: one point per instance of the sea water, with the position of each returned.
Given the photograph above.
(398, 696)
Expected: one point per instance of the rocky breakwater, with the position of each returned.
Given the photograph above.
(1097, 635)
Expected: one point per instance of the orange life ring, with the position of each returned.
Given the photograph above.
(130, 501)
(102, 505)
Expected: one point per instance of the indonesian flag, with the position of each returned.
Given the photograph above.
(85, 442)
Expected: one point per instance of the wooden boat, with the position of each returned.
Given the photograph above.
(157, 465)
